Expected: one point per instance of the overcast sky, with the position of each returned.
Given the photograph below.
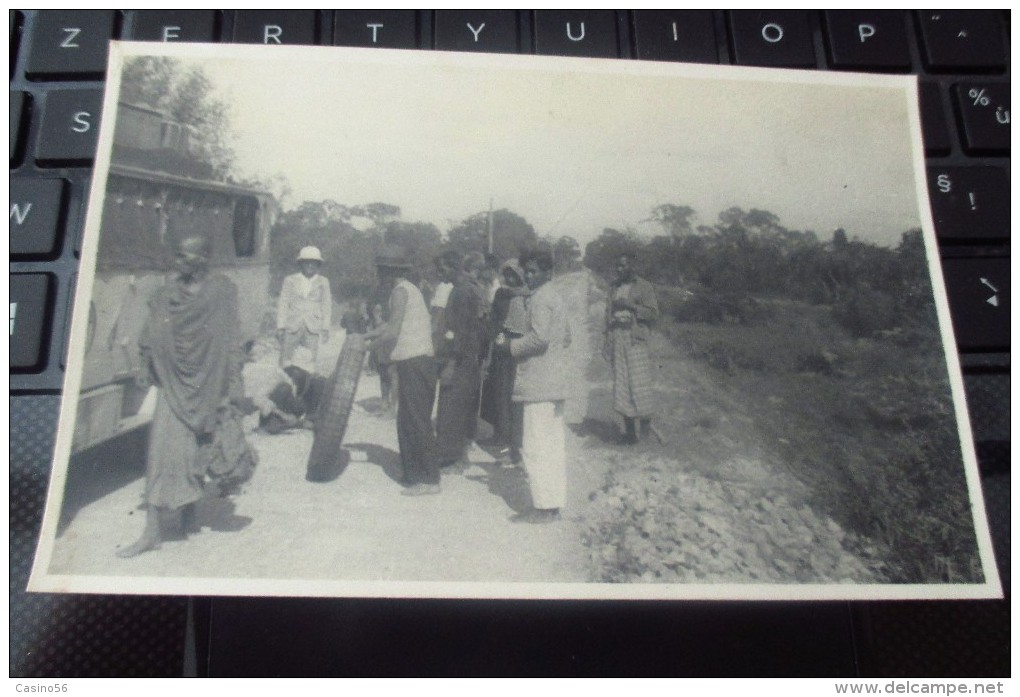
(573, 146)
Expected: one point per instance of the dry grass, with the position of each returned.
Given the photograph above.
(867, 424)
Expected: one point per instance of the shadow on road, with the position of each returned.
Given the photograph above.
(375, 406)
(218, 514)
(388, 460)
(508, 483)
(606, 432)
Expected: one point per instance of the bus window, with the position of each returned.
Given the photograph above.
(132, 221)
(245, 214)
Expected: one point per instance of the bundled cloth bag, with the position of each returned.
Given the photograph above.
(224, 455)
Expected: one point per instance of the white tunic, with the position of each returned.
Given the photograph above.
(415, 337)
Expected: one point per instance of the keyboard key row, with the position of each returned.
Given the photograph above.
(72, 44)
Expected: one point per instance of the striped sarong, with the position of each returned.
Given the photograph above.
(633, 388)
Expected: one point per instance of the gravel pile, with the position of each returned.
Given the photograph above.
(654, 525)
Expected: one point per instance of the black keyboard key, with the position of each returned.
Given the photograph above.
(954, 40)
(987, 394)
(274, 27)
(29, 323)
(774, 38)
(69, 318)
(70, 127)
(71, 43)
(867, 39)
(174, 25)
(494, 31)
(934, 126)
(978, 291)
(984, 117)
(376, 28)
(589, 33)
(35, 216)
(969, 203)
(17, 106)
(675, 35)
(13, 38)
(78, 213)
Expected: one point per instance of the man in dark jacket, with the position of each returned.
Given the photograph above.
(461, 337)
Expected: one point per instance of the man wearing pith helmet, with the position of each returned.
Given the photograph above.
(304, 313)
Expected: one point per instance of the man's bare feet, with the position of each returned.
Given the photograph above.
(144, 544)
(150, 539)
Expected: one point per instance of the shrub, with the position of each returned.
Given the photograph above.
(863, 312)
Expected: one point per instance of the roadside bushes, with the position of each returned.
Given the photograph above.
(863, 312)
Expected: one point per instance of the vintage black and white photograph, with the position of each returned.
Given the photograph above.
(384, 323)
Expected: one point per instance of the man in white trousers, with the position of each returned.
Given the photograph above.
(541, 385)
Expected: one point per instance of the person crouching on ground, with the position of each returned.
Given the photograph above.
(541, 386)
(304, 313)
(408, 330)
(285, 398)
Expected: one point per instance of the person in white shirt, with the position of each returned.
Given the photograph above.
(408, 330)
(304, 312)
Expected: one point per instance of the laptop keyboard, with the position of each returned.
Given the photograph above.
(58, 59)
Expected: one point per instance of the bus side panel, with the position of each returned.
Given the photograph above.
(109, 394)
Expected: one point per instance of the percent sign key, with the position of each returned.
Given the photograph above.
(984, 115)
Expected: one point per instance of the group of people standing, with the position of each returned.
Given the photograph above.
(520, 333)
(515, 334)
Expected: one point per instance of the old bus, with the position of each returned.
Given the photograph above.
(158, 191)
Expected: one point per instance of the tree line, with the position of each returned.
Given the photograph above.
(350, 235)
(716, 272)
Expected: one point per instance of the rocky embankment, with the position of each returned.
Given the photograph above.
(655, 524)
